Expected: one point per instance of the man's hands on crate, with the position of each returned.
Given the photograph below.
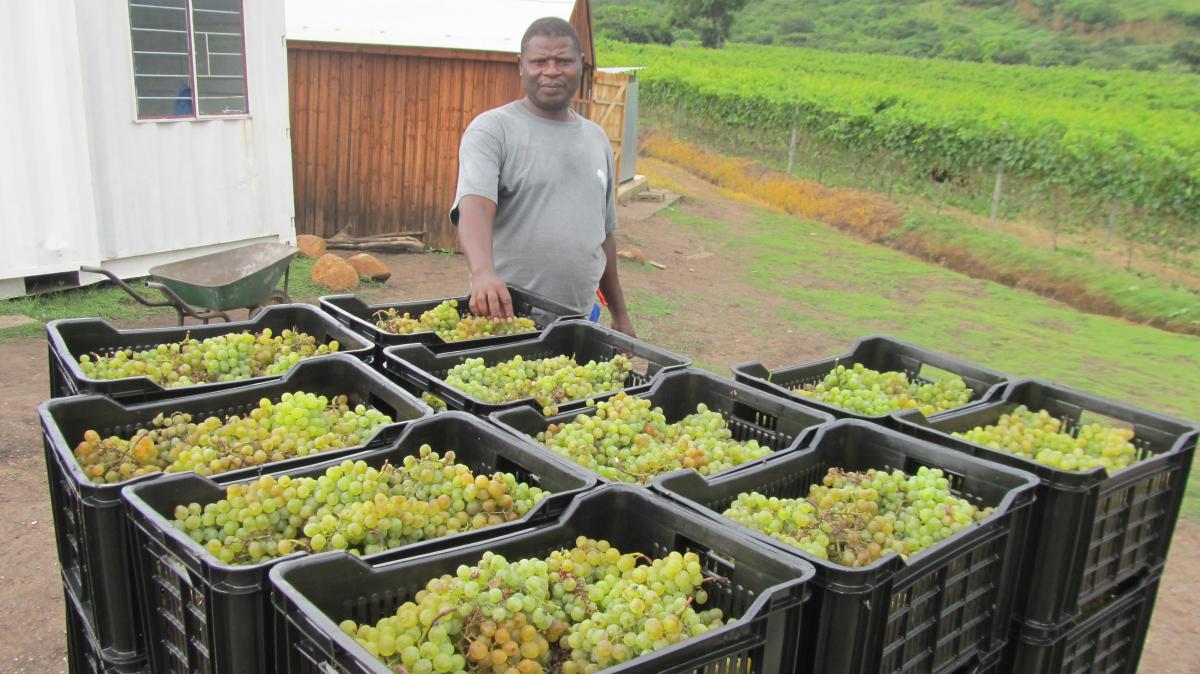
(489, 296)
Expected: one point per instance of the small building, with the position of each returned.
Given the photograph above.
(381, 92)
(138, 132)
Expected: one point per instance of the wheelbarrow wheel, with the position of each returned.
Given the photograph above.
(277, 296)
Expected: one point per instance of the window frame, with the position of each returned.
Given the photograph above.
(195, 115)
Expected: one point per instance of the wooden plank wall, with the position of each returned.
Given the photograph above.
(375, 133)
(609, 103)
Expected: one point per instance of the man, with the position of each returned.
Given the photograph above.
(536, 199)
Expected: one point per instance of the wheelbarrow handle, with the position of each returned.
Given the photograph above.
(181, 308)
(126, 287)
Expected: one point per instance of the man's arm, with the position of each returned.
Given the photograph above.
(610, 285)
(489, 294)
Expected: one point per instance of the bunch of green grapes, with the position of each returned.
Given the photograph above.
(356, 508)
(1040, 436)
(445, 321)
(298, 424)
(854, 518)
(629, 441)
(866, 391)
(228, 357)
(435, 402)
(548, 381)
(575, 611)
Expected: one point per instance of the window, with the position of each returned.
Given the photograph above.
(188, 58)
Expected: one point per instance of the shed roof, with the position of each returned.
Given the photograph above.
(484, 25)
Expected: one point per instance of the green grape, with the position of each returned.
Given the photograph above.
(854, 518)
(578, 609)
(629, 441)
(866, 391)
(229, 357)
(548, 380)
(355, 507)
(298, 424)
(1040, 436)
(444, 320)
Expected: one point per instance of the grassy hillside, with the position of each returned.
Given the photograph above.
(1140, 34)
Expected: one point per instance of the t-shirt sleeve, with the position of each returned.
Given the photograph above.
(610, 209)
(479, 157)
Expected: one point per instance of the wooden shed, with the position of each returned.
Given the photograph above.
(381, 92)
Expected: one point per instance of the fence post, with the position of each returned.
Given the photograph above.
(792, 151)
(996, 193)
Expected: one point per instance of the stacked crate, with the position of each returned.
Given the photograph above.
(104, 625)
(1097, 542)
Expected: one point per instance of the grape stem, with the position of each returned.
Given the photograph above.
(433, 622)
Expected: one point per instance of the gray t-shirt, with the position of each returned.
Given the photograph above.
(552, 183)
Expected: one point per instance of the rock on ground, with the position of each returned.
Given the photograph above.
(369, 267)
(334, 273)
(310, 246)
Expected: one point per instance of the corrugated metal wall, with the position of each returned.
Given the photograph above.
(375, 134)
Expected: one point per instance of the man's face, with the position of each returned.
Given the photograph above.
(551, 69)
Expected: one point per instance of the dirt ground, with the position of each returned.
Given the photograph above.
(32, 635)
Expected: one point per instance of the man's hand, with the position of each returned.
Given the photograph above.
(623, 324)
(489, 297)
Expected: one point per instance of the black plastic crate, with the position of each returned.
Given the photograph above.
(944, 608)
(1090, 531)
(878, 352)
(89, 520)
(352, 312)
(70, 338)
(203, 615)
(1107, 639)
(426, 367)
(766, 592)
(750, 413)
(84, 654)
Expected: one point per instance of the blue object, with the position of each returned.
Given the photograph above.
(595, 316)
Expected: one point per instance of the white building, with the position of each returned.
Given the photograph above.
(138, 132)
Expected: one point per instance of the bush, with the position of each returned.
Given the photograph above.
(1191, 19)
(1187, 52)
(963, 49)
(795, 24)
(759, 37)
(1005, 51)
(1095, 14)
(629, 23)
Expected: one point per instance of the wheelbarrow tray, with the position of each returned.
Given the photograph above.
(231, 279)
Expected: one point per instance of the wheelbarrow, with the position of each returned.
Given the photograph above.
(208, 286)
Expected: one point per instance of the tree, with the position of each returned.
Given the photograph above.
(629, 23)
(711, 18)
(1187, 52)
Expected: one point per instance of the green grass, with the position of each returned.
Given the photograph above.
(840, 287)
(1142, 296)
(109, 302)
(104, 301)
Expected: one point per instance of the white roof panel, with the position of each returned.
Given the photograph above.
(483, 25)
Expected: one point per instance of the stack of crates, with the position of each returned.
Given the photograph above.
(1098, 542)
(1059, 577)
(104, 625)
